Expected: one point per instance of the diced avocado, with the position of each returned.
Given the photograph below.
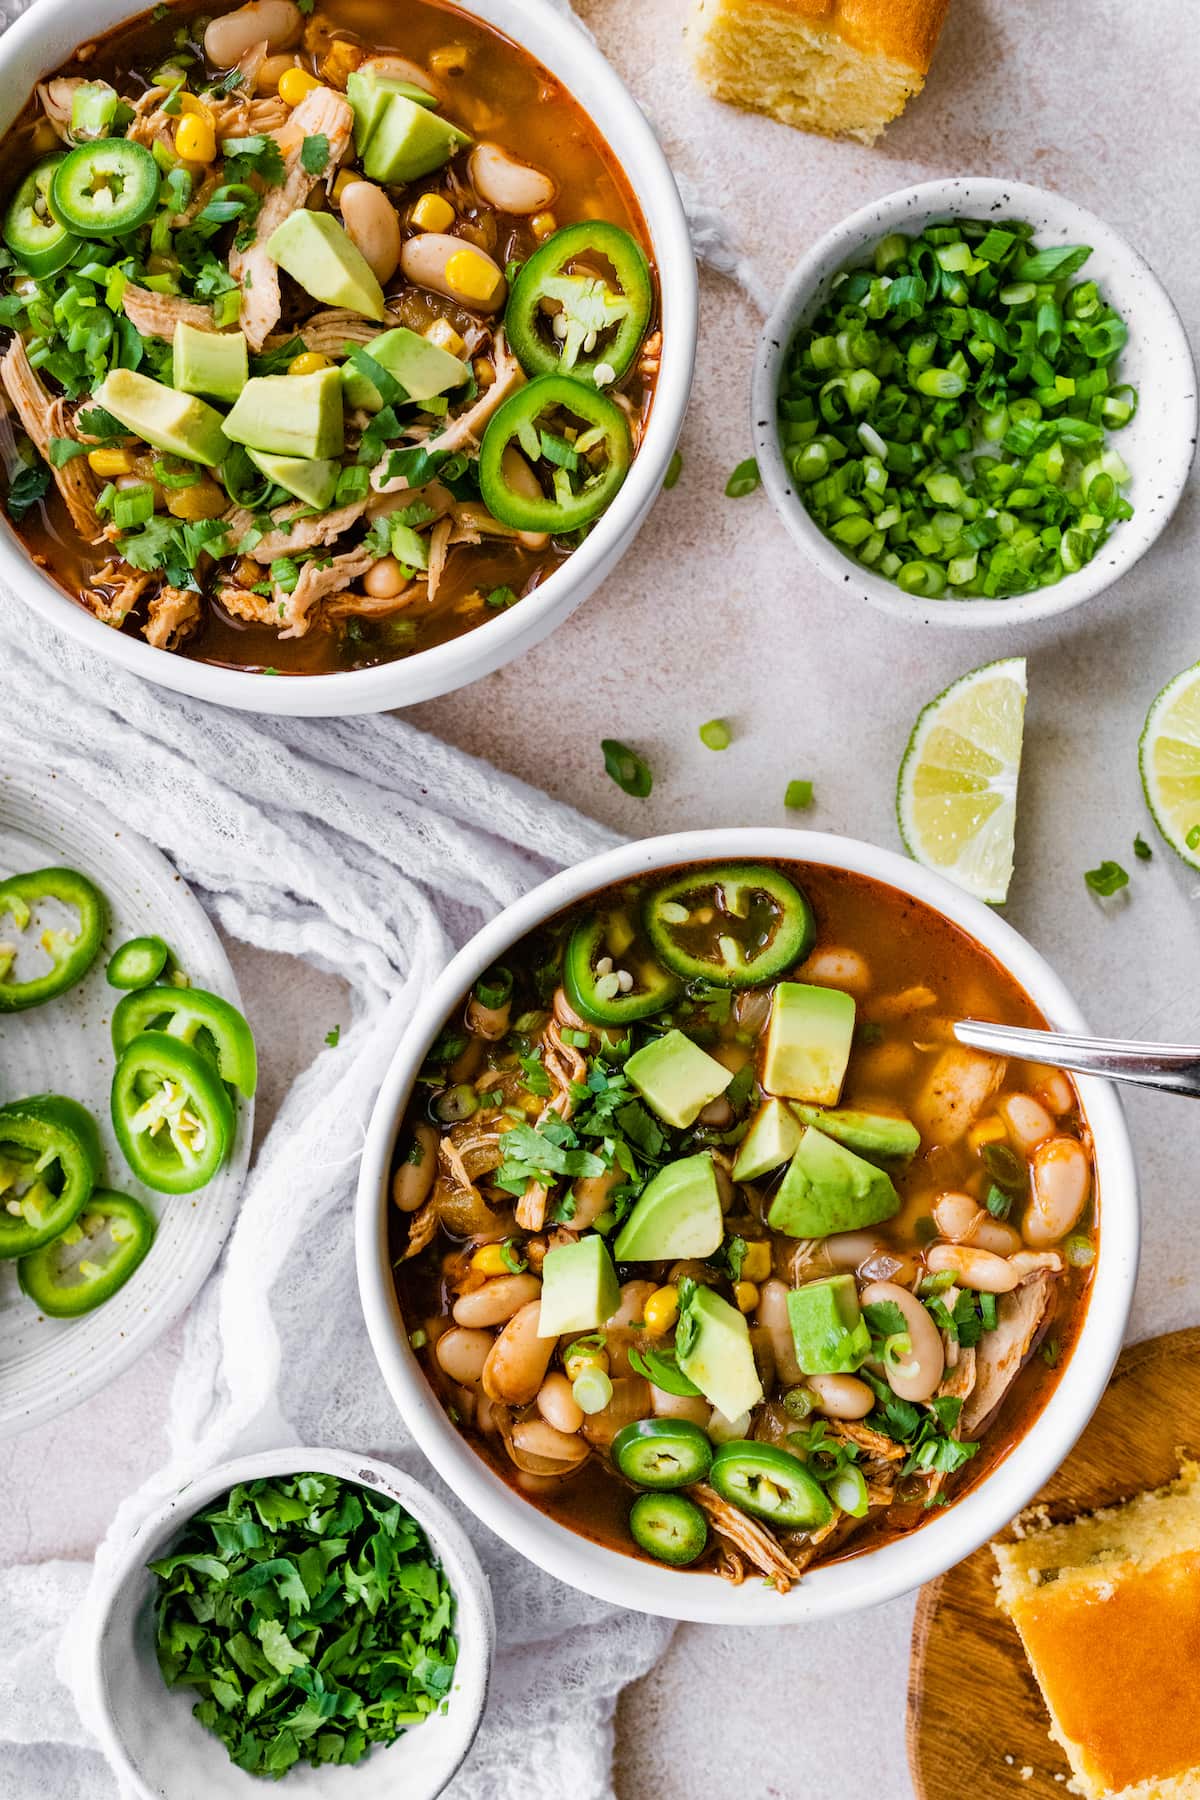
(579, 1287)
(828, 1188)
(367, 91)
(808, 1042)
(678, 1214)
(290, 415)
(676, 1078)
(316, 252)
(772, 1139)
(712, 1344)
(422, 369)
(407, 140)
(828, 1329)
(209, 362)
(177, 423)
(313, 481)
(881, 1137)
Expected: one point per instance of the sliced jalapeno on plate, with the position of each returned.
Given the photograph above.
(738, 925)
(36, 238)
(71, 947)
(578, 475)
(669, 1527)
(172, 1116)
(771, 1484)
(662, 1453)
(597, 994)
(49, 1162)
(105, 189)
(595, 278)
(192, 1016)
(86, 1264)
(137, 963)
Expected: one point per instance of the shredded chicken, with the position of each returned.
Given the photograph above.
(327, 331)
(955, 1092)
(305, 534)
(439, 548)
(753, 1540)
(1021, 1318)
(317, 583)
(650, 359)
(873, 1443)
(242, 603)
(959, 1380)
(321, 113)
(353, 605)
(44, 419)
(57, 98)
(128, 584)
(422, 1231)
(174, 613)
(531, 1207)
(157, 315)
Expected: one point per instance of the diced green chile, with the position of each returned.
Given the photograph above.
(86, 1264)
(39, 242)
(137, 963)
(517, 424)
(171, 1113)
(591, 304)
(105, 189)
(652, 990)
(669, 1527)
(71, 952)
(770, 1484)
(662, 1453)
(191, 1015)
(760, 924)
(49, 1164)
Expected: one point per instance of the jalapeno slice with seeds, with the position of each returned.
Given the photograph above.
(736, 926)
(72, 949)
(669, 1527)
(191, 1016)
(172, 1116)
(86, 1264)
(662, 1453)
(105, 189)
(39, 242)
(596, 993)
(579, 474)
(49, 1162)
(770, 1484)
(595, 278)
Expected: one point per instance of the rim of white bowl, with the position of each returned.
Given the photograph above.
(807, 287)
(838, 1588)
(562, 45)
(450, 1544)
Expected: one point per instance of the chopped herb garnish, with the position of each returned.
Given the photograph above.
(26, 488)
(716, 735)
(333, 1036)
(630, 771)
(798, 795)
(674, 470)
(501, 598)
(1110, 877)
(1141, 848)
(314, 154)
(744, 480)
(510, 1256)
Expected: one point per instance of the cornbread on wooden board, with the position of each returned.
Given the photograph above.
(841, 67)
(1108, 1610)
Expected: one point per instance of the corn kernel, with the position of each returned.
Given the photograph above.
(489, 1260)
(746, 1296)
(443, 334)
(203, 500)
(756, 1264)
(581, 1355)
(195, 139)
(986, 1131)
(294, 84)
(307, 363)
(544, 225)
(472, 277)
(433, 213)
(484, 370)
(110, 462)
(344, 180)
(188, 103)
(451, 59)
(661, 1311)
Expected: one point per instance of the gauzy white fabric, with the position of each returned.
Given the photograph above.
(370, 849)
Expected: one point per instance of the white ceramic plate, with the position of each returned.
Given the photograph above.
(49, 1365)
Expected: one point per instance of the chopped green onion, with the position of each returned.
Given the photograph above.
(744, 480)
(1110, 877)
(848, 1490)
(592, 1390)
(1141, 848)
(630, 771)
(798, 795)
(494, 987)
(716, 735)
(674, 470)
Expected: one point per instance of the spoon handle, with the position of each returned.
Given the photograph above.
(1175, 1067)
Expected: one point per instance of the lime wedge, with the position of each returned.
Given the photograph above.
(956, 797)
(1169, 756)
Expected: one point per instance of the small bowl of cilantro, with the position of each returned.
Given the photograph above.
(974, 404)
(302, 1615)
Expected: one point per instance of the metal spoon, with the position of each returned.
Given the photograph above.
(1172, 1066)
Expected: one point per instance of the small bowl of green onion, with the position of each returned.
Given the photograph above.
(305, 1614)
(974, 404)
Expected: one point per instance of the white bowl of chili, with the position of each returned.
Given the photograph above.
(837, 1587)
(43, 40)
(1157, 444)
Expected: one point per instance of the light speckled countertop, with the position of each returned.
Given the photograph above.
(711, 614)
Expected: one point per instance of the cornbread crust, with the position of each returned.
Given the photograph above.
(1108, 1609)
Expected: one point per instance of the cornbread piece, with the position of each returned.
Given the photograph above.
(1108, 1608)
(843, 67)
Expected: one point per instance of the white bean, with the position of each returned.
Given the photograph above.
(536, 1441)
(842, 1396)
(921, 1371)
(462, 1354)
(1028, 1122)
(508, 185)
(519, 1358)
(414, 1177)
(1062, 1182)
(278, 22)
(398, 68)
(693, 1407)
(423, 260)
(590, 1194)
(632, 1310)
(373, 226)
(838, 968)
(954, 1093)
(384, 579)
(266, 77)
(558, 1405)
(847, 1249)
(960, 1218)
(772, 1315)
(979, 1270)
(497, 1301)
(490, 1022)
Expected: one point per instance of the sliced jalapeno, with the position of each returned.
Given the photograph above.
(736, 926)
(137, 963)
(669, 1527)
(662, 1453)
(72, 949)
(596, 994)
(579, 475)
(192, 1016)
(604, 319)
(36, 238)
(171, 1114)
(771, 1484)
(86, 1264)
(105, 189)
(49, 1162)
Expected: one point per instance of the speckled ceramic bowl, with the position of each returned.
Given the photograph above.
(1158, 445)
(147, 1730)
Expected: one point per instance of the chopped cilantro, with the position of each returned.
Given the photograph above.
(314, 154)
(333, 1036)
(257, 155)
(26, 488)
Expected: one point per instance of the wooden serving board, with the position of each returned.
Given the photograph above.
(975, 1716)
